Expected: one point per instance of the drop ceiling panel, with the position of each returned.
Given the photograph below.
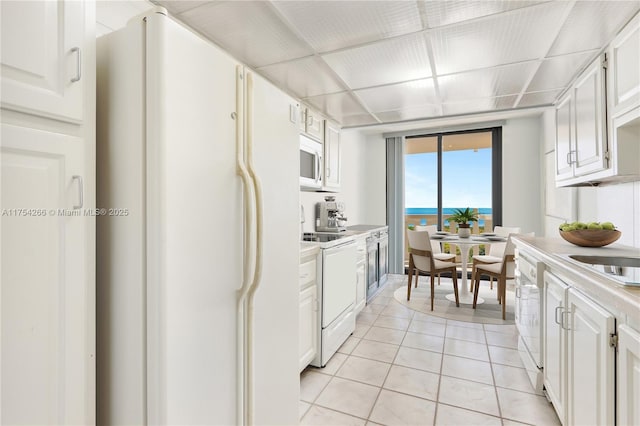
(441, 13)
(487, 83)
(398, 96)
(479, 105)
(385, 62)
(366, 61)
(250, 30)
(539, 98)
(558, 72)
(358, 120)
(413, 113)
(176, 7)
(337, 105)
(305, 77)
(330, 25)
(524, 34)
(592, 24)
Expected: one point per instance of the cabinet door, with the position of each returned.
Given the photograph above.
(42, 75)
(564, 133)
(628, 393)
(554, 351)
(308, 344)
(589, 140)
(624, 68)
(590, 362)
(315, 125)
(332, 156)
(46, 317)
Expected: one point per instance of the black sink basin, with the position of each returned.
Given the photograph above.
(624, 262)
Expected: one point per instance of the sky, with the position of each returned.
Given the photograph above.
(466, 179)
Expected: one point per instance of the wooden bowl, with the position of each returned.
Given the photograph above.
(591, 237)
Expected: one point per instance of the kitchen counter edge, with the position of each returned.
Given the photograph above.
(598, 286)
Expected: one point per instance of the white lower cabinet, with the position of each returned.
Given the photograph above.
(579, 360)
(554, 353)
(361, 274)
(47, 326)
(308, 314)
(590, 362)
(628, 379)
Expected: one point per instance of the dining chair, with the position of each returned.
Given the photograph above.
(436, 248)
(501, 271)
(421, 258)
(496, 250)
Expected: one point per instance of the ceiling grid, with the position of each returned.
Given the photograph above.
(363, 62)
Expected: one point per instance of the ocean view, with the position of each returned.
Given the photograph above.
(432, 211)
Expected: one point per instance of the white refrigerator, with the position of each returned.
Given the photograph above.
(198, 245)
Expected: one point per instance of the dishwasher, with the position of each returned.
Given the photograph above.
(377, 263)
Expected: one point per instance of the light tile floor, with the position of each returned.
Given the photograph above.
(406, 367)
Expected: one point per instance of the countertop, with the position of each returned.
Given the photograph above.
(366, 228)
(600, 287)
(308, 249)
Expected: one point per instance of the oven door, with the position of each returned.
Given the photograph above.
(338, 281)
(310, 163)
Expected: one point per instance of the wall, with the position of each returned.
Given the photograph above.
(113, 15)
(617, 203)
(521, 174)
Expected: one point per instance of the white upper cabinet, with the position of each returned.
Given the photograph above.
(597, 130)
(581, 143)
(42, 74)
(331, 156)
(313, 124)
(590, 137)
(624, 69)
(564, 132)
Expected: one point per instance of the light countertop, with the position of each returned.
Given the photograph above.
(599, 286)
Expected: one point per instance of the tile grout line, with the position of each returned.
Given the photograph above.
(385, 377)
(493, 377)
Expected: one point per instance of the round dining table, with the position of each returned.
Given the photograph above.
(464, 295)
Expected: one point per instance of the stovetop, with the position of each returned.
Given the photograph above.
(321, 238)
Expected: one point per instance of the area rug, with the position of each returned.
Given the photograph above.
(489, 312)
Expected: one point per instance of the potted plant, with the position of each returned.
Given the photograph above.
(462, 218)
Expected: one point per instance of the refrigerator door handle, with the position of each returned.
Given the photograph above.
(257, 272)
(242, 354)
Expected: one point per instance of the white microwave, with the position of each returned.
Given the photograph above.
(310, 163)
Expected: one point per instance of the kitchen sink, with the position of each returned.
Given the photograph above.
(624, 262)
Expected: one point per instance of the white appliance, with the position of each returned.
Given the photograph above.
(529, 283)
(197, 314)
(310, 163)
(337, 287)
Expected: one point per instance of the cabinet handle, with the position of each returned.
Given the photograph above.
(556, 316)
(309, 120)
(78, 64)
(80, 192)
(518, 292)
(569, 157)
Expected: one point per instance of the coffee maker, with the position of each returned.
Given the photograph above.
(330, 215)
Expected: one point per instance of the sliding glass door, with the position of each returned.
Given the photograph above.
(447, 171)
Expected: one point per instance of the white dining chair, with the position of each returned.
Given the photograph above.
(421, 258)
(501, 271)
(496, 251)
(436, 247)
